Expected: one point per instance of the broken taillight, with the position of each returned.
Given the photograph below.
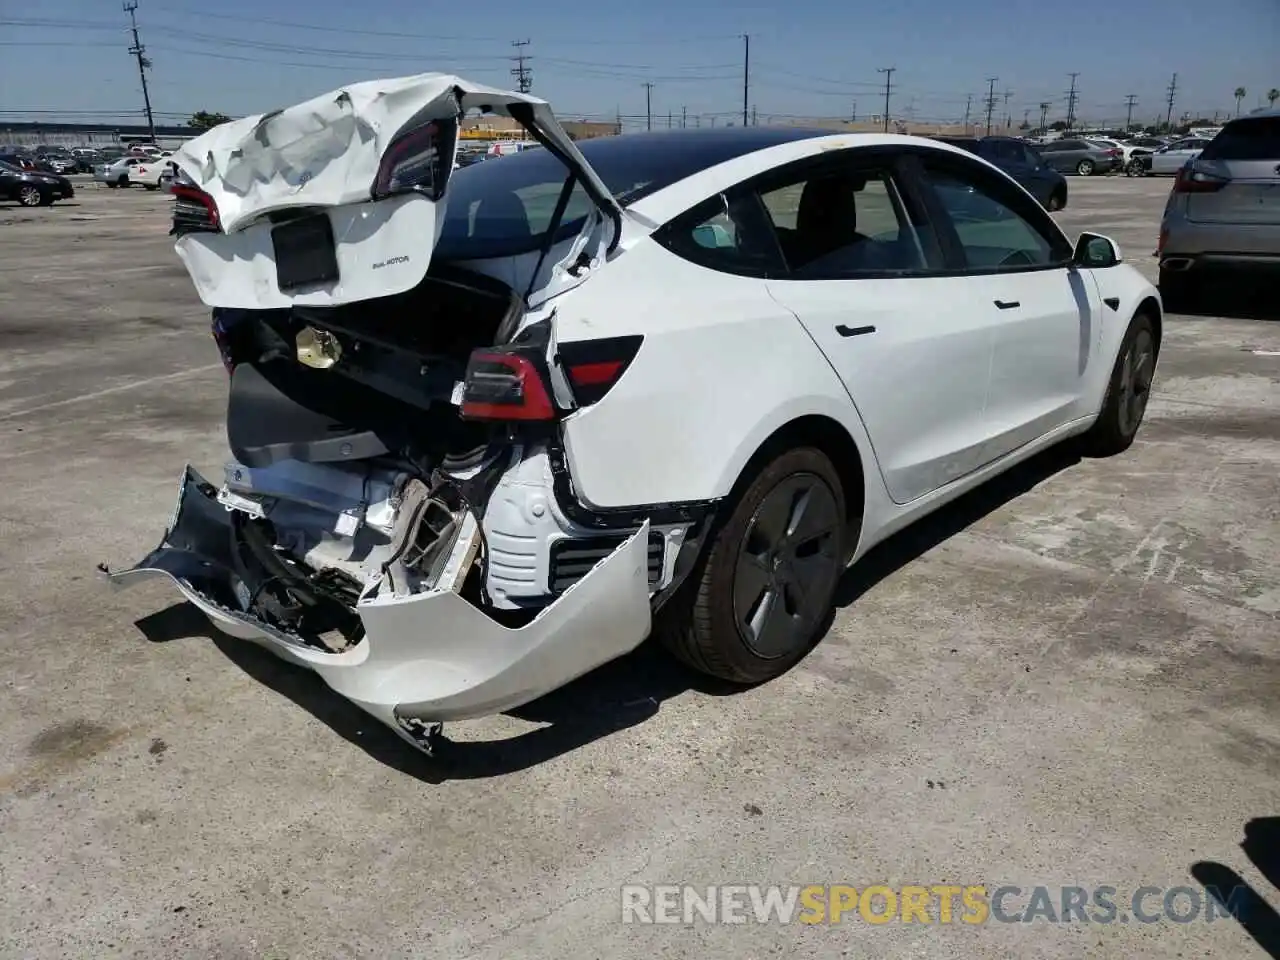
(505, 385)
(594, 366)
(420, 160)
(193, 210)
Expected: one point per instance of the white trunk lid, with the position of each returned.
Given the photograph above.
(317, 162)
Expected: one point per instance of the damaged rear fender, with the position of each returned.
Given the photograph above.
(429, 656)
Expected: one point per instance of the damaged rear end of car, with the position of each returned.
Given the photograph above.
(396, 514)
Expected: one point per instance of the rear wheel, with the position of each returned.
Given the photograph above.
(1084, 168)
(1134, 168)
(1127, 392)
(1057, 200)
(151, 186)
(759, 597)
(29, 196)
(123, 181)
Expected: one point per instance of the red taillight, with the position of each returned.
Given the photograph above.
(594, 366)
(1191, 180)
(501, 385)
(193, 209)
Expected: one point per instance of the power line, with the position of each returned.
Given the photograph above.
(139, 51)
(888, 87)
(522, 73)
(991, 100)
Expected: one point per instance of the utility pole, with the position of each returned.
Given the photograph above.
(138, 51)
(1072, 97)
(755, 120)
(619, 115)
(746, 74)
(888, 88)
(853, 114)
(1026, 118)
(1173, 94)
(1008, 120)
(668, 119)
(684, 117)
(648, 105)
(1129, 100)
(968, 102)
(991, 100)
(522, 73)
(1044, 117)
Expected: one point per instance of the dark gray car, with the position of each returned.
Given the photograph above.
(1021, 162)
(1077, 156)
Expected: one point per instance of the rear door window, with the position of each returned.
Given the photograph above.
(1252, 138)
(1007, 151)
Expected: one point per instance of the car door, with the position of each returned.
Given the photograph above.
(1016, 264)
(866, 277)
(1057, 155)
(1174, 157)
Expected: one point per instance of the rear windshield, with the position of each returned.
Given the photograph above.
(1252, 138)
(503, 206)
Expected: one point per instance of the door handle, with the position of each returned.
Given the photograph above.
(853, 331)
(1007, 304)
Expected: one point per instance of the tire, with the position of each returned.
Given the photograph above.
(1084, 168)
(1127, 392)
(30, 196)
(122, 182)
(1057, 200)
(706, 623)
(1134, 169)
(151, 186)
(113, 186)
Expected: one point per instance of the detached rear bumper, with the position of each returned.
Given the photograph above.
(430, 656)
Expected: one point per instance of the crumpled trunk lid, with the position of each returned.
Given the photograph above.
(294, 191)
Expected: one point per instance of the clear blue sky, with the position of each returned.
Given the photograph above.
(809, 58)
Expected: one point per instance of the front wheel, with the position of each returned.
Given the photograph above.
(1127, 392)
(151, 186)
(1134, 168)
(1057, 201)
(29, 196)
(759, 597)
(1084, 168)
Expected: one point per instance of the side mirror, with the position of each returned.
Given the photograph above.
(1095, 252)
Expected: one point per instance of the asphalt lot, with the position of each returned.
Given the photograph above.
(1069, 678)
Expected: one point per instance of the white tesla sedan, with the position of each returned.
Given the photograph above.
(491, 426)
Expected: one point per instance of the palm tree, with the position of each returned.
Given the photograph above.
(1272, 96)
(1241, 93)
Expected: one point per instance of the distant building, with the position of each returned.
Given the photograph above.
(28, 134)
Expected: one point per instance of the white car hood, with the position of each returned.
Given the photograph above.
(324, 154)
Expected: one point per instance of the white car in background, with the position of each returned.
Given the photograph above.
(128, 171)
(491, 426)
(1169, 160)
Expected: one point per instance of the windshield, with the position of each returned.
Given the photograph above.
(503, 206)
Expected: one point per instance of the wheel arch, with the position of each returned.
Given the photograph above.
(1151, 307)
(828, 435)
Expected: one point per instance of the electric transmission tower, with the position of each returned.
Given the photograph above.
(521, 71)
(1072, 99)
(144, 64)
